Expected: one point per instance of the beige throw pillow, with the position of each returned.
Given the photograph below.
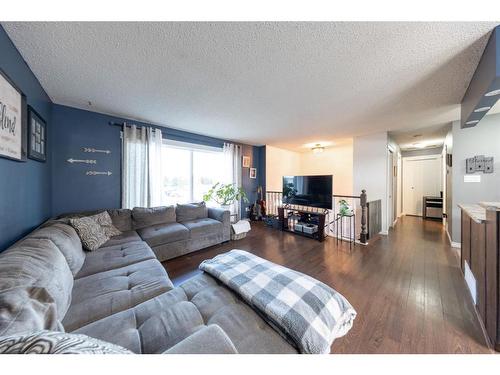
(91, 234)
(104, 220)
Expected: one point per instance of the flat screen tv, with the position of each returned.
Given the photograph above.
(312, 191)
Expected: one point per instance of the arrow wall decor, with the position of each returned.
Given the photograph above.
(90, 149)
(95, 173)
(86, 161)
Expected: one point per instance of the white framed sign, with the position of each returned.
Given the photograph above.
(12, 120)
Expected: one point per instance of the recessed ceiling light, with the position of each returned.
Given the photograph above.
(482, 109)
(472, 122)
(493, 93)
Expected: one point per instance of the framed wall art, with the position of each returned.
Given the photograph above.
(37, 136)
(12, 120)
(253, 172)
(246, 161)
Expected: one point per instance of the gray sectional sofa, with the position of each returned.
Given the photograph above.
(122, 294)
(170, 231)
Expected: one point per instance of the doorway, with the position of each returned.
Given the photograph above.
(422, 176)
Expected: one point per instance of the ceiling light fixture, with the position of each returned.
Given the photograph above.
(493, 93)
(472, 122)
(318, 149)
(482, 109)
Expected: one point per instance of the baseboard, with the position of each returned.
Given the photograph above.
(384, 232)
(456, 245)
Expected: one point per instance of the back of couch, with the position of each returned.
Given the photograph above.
(36, 279)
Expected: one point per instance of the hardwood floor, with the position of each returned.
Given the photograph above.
(407, 287)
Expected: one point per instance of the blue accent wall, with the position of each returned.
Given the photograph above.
(25, 200)
(74, 129)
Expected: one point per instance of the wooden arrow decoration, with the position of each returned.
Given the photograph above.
(86, 161)
(95, 173)
(90, 149)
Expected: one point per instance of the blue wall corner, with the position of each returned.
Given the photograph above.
(25, 201)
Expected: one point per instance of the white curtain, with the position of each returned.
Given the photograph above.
(232, 161)
(142, 163)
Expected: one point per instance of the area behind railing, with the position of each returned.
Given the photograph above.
(356, 227)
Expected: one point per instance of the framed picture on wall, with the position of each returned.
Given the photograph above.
(12, 120)
(253, 172)
(37, 136)
(246, 161)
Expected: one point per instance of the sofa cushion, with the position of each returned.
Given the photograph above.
(208, 340)
(160, 234)
(203, 227)
(191, 211)
(145, 217)
(38, 263)
(124, 238)
(103, 294)
(90, 232)
(122, 219)
(49, 342)
(67, 241)
(118, 256)
(27, 309)
(157, 325)
(104, 220)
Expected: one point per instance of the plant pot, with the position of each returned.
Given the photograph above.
(226, 207)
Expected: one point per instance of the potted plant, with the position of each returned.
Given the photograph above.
(344, 208)
(225, 194)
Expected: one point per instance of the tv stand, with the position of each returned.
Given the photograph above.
(305, 221)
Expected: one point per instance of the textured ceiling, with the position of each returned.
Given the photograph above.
(429, 137)
(285, 84)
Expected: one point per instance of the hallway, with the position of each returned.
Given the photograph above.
(407, 287)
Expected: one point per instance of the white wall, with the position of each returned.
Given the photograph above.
(483, 139)
(370, 169)
(336, 160)
(280, 163)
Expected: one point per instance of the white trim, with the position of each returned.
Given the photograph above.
(456, 245)
(384, 232)
(190, 146)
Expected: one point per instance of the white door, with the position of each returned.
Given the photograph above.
(421, 177)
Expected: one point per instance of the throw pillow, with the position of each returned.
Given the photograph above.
(104, 220)
(91, 234)
(191, 211)
(51, 342)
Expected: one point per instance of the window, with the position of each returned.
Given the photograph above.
(189, 171)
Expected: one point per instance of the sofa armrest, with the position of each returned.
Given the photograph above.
(208, 340)
(223, 216)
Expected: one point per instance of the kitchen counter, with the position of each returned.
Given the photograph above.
(475, 211)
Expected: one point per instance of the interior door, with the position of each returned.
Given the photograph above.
(421, 177)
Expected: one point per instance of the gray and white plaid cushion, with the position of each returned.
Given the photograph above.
(306, 311)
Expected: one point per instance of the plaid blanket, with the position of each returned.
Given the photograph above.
(306, 311)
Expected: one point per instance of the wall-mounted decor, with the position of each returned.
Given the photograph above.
(13, 119)
(84, 161)
(95, 173)
(90, 149)
(37, 136)
(479, 163)
(253, 172)
(246, 161)
(449, 160)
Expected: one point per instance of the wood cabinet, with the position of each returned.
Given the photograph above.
(479, 248)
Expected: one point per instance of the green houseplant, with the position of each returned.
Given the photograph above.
(344, 208)
(225, 194)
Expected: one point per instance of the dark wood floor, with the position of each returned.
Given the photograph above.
(407, 287)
